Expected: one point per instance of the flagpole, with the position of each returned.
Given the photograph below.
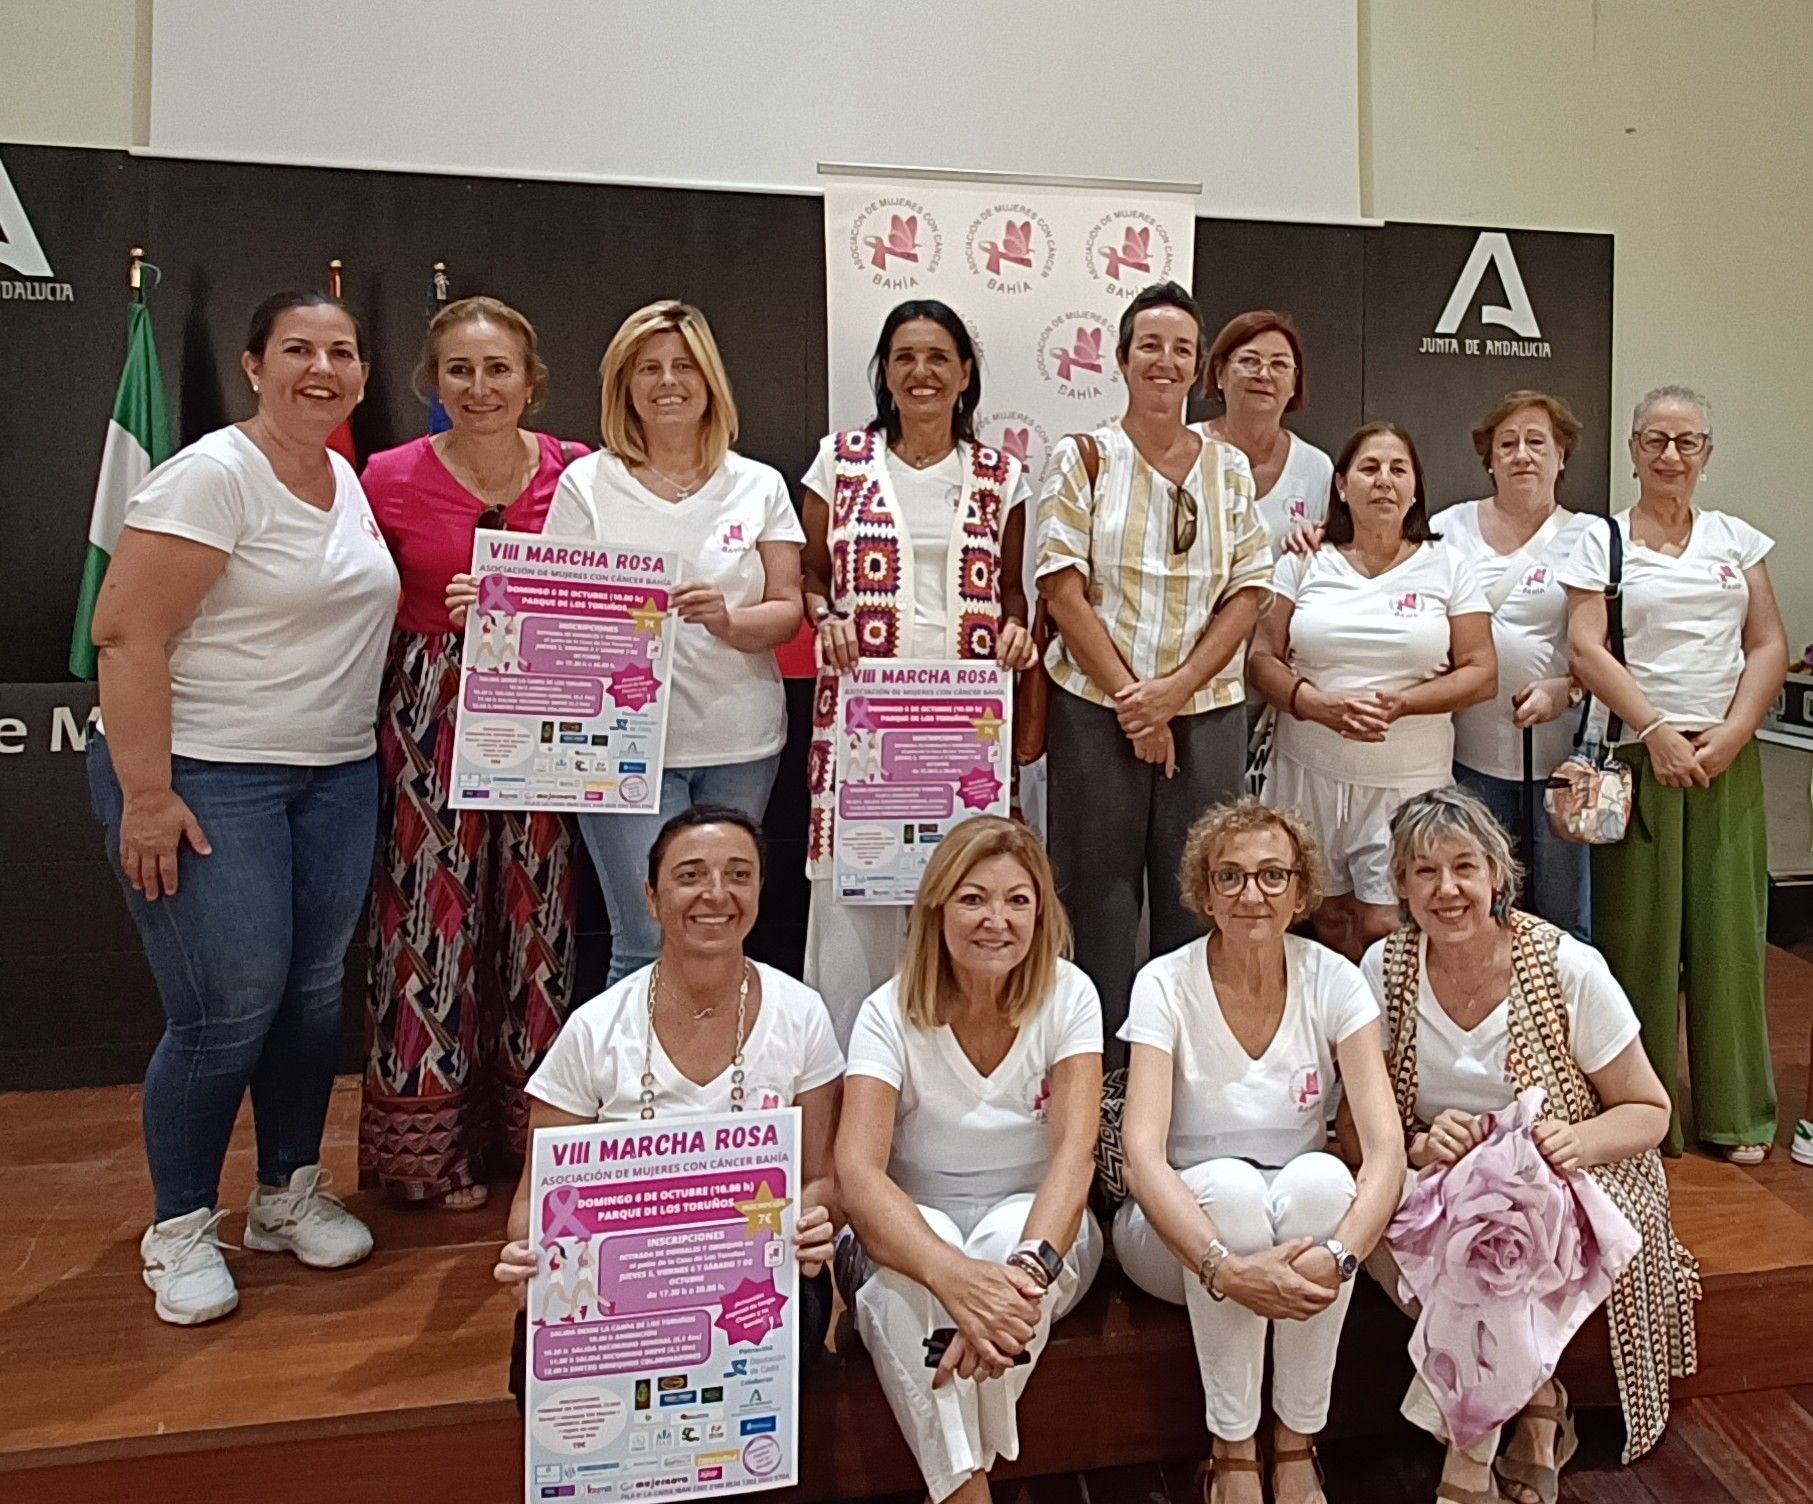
(135, 275)
(440, 285)
(333, 277)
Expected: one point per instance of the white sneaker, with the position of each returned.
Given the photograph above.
(1801, 1152)
(184, 1269)
(306, 1221)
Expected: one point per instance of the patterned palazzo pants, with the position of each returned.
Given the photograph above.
(471, 970)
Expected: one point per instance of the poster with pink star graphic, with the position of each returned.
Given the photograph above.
(564, 677)
(663, 1357)
(921, 747)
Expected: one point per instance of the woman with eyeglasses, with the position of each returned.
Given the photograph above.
(466, 903)
(1153, 565)
(1256, 371)
(1705, 654)
(1370, 645)
(1237, 1213)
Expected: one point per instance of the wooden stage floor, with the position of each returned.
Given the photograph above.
(386, 1381)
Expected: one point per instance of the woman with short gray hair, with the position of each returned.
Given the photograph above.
(1704, 655)
(1481, 1002)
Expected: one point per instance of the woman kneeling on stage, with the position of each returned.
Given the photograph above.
(965, 1152)
(702, 1030)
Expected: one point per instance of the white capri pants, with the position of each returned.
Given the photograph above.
(965, 1426)
(1253, 1210)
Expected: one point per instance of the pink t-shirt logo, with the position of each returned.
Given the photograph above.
(1407, 604)
(1306, 1088)
(1729, 578)
(1041, 1102)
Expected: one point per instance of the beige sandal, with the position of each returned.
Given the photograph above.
(1453, 1493)
(1543, 1478)
(1746, 1155)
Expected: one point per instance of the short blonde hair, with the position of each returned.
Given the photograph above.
(1453, 813)
(619, 425)
(928, 984)
(425, 380)
(1220, 823)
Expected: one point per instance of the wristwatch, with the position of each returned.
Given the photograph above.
(1346, 1262)
(1039, 1259)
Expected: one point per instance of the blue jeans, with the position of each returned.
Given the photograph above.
(620, 845)
(248, 955)
(1562, 888)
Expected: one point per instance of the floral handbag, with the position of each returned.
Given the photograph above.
(1590, 794)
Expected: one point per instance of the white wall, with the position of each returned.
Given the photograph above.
(725, 93)
(1684, 127)
(74, 72)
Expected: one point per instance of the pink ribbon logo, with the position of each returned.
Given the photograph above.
(902, 240)
(494, 594)
(1015, 247)
(560, 1216)
(1018, 443)
(1133, 255)
(1085, 354)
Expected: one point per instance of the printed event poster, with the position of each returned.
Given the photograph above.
(663, 1341)
(564, 686)
(921, 747)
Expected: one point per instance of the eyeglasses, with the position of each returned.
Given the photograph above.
(492, 518)
(1687, 445)
(1183, 520)
(1280, 367)
(1230, 882)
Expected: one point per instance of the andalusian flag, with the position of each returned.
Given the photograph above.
(138, 440)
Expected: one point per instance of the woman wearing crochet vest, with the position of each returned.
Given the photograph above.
(1482, 1002)
(914, 536)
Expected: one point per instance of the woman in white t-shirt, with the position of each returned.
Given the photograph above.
(1371, 643)
(1256, 371)
(1237, 1213)
(966, 1149)
(667, 479)
(1481, 1002)
(242, 630)
(915, 534)
(1681, 903)
(701, 1030)
(1517, 541)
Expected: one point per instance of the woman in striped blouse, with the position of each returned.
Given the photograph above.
(1153, 565)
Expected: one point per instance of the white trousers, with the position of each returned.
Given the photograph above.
(851, 949)
(965, 1426)
(1253, 1210)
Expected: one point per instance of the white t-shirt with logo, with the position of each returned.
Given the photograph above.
(1683, 617)
(1529, 633)
(1224, 1103)
(728, 705)
(1350, 634)
(926, 502)
(965, 1142)
(1300, 493)
(594, 1069)
(282, 659)
(1464, 1069)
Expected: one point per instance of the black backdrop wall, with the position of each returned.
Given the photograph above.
(76, 1002)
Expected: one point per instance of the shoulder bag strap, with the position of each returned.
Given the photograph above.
(1518, 565)
(1614, 636)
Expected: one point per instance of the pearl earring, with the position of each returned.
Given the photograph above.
(254, 386)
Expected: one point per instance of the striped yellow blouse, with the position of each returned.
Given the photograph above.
(1155, 603)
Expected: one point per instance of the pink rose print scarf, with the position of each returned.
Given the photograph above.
(1507, 1258)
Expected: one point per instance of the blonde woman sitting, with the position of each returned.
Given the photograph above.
(966, 1149)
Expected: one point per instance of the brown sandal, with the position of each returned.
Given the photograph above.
(1543, 1478)
(1453, 1493)
(1205, 1471)
(1305, 1453)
